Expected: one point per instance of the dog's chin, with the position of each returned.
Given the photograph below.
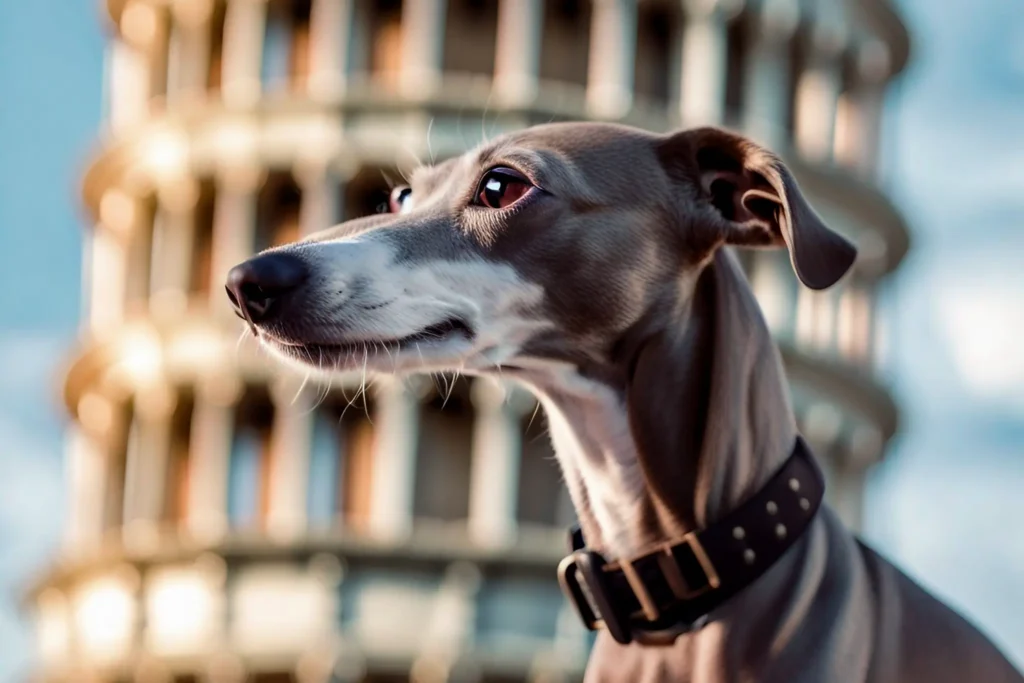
(440, 347)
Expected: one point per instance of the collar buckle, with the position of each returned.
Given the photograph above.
(655, 597)
(591, 596)
(669, 565)
(584, 578)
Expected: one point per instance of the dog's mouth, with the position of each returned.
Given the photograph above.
(432, 340)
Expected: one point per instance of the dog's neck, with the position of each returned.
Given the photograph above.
(698, 419)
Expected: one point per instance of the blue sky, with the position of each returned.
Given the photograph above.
(50, 67)
(946, 503)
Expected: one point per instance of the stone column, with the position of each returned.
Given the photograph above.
(212, 429)
(423, 24)
(449, 628)
(858, 128)
(234, 225)
(146, 468)
(244, 26)
(87, 472)
(869, 324)
(610, 70)
(817, 88)
(815, 319)
(870, 106)
(139, 261)
(497, 448)
(517, 51)
(703, 70)
(855, 326)
(291, 439)
(396, 428)
(825, 319)
(173, 233)
(189, 51)
(321, 198)
(766, 81)
(128, 85)
(156, 45)
(108, 266)
(774, 286)
(331, 26)
(817, 94)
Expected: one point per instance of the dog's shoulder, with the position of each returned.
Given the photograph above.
(920, 637)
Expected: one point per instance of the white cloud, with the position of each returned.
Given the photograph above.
(986, 332)
(938, 526)
(953, 174)
(31, 362)
(981, 315)
(32, 493)
(31, 516)
(31, 481)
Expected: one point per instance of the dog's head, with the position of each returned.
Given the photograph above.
(545, 245)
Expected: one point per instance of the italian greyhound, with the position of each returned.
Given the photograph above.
(586, 261)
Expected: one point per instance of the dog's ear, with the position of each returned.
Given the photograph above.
(754, 200)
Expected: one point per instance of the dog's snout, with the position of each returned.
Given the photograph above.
(255, 285)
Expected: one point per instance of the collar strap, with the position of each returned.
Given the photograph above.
(655, 597)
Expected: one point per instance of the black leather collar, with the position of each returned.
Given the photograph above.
(655, 597)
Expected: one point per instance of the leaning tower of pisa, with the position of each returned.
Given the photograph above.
(229, 522)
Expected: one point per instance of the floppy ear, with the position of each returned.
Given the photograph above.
(754, 200)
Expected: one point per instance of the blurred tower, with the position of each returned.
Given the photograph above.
(229, 523)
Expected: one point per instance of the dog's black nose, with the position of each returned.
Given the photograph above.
(255, 285)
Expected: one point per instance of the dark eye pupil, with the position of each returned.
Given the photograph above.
(500, 188)
(494, 189)
(397, 198)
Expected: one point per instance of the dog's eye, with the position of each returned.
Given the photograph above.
(399, 199)
(502, 187)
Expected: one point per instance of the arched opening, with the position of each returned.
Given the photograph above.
(475, 22)
(444, 452)
(179, 460)
(737, 53)
(278, 211)
(540, 479)
(285, 56)
(215, 65)
(114, 484)
(380, 55)
(200, 273)
(249, 462)
(798, 55)
(140, 254)
(367, 192)
(848, 143)
(341, 462)
(565, 42)
(160, 57)
(656, 69)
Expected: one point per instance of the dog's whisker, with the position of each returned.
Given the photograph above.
(302, 385)
(483, 117)
(430, 151)
(449, 387)
(533, 415)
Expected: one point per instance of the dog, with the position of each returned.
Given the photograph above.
(593, 263)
